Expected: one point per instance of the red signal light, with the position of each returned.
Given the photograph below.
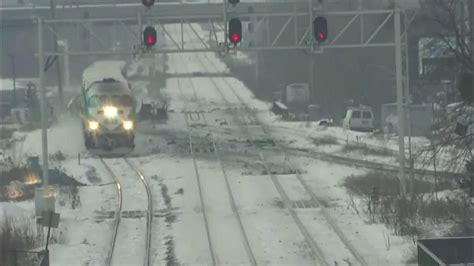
(148, 3)
(235, 30)
(320, 29)
(149, 36)
(150, 40)
(235, 38)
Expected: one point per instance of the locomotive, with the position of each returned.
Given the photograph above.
(107, 107)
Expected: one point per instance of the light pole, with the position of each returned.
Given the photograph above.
(12, 58)
(44, 118)
(44, 199)
(400, 102)
(400, 109)
(471, 29)
(55, 47)
(67, 76)
(408, 102)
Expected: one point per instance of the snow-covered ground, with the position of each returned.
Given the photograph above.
(179, 229)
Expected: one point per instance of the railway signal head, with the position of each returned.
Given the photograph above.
(148, 3)
(149, 36)
(320, 29)
(235, 30)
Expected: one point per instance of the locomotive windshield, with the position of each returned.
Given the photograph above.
(115, 100)
(109, 93)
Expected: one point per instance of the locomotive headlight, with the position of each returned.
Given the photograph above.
(110, 111)
(93, 125)
(127, 125)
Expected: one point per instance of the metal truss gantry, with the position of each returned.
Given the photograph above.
(275, 25)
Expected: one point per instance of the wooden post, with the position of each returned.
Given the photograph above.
(49, 229)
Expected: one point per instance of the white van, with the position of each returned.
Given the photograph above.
(359, 118)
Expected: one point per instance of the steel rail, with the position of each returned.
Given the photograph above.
(149, 222)
(218, 156)
(355, 253)
(247, 246)
(198, 180)
(314, 247)
(118, 213)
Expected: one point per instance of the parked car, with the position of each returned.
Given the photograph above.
(359, 118)
(279, 108)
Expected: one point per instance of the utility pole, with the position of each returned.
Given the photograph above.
(400, 107)
(471, 28)
(311, 76)
(44, 118)
(408, 104)
(55, 47)
(225, 23)
(12, 58)
(67, 76)
(311, 55)
(257, 70)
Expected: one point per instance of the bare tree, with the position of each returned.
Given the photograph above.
(451, 22)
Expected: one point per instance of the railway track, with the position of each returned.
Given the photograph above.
(316, 249)
(119, 226)
(323, 156)
(200, 189)
(382, 167)
(201, 118)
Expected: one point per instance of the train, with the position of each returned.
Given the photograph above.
(107, 107)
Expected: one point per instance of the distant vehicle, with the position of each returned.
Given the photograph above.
(460, 116)
(419, 121)
(153, 109)
(359, 118)
(292, 102)
(279, 108)
(107, 107)
(297, 97)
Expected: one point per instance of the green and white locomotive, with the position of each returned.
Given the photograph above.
(107, 108)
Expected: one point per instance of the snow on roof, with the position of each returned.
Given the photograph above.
(454, 105)
(298, 85)
(281, 105)
(6, 84)
(435, 48)
(362, 107)
(101, 70)
(108, 88)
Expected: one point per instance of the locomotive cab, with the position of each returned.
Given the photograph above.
(108, 111)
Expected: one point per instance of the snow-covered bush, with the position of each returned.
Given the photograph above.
(17, 237)
(416, 216)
